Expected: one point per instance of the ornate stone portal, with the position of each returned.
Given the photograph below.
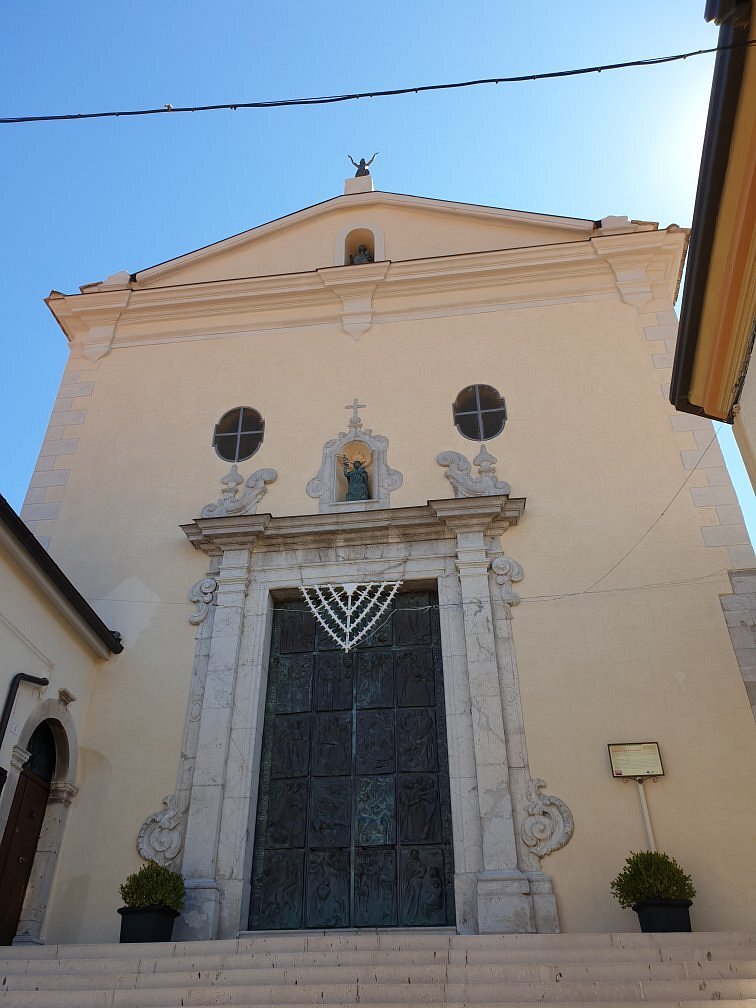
(502, 826)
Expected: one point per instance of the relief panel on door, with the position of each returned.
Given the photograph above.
(353, 821)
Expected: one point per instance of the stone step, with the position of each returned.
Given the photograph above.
(120, 960)
(390, 940)
(404, 941)
(106, 1001)
(387, 969)
(211, 991)
(116, 975)
(110, 999)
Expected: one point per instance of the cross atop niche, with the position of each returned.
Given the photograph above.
(354, 421)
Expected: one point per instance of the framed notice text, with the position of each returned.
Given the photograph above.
(635, 759)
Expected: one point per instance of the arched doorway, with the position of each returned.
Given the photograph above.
(19, 843)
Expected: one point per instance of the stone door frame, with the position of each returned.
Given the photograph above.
(453, 545)
(30, 929)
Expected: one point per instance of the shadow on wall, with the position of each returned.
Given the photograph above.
(90, 829)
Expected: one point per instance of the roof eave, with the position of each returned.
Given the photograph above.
(37, 562)
(723, 105)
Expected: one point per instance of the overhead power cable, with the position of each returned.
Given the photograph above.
(390, 92)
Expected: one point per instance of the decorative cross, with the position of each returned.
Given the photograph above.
(354, 420)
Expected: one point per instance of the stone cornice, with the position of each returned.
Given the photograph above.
(628, 264)
(440, 519)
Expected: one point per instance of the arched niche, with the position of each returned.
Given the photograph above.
(329, 486)
(350, 238)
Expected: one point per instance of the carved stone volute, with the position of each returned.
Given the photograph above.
(231, 502)
(464, 484)
(548, 824)
(160, 839)
(202, 593)
(507, 572)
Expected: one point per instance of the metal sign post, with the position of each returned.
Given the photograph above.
(638, 761)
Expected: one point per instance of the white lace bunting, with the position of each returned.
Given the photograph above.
(348, 612)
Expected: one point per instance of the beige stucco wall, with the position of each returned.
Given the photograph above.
(589, 444)
(37, 640)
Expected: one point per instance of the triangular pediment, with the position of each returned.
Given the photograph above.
(403, 228)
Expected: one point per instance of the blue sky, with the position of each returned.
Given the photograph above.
(86, 199)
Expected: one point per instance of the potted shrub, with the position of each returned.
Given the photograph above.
(154, 897)
(657, 888)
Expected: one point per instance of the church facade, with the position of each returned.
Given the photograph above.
(399, 533)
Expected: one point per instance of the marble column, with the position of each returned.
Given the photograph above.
(504, 897)
(505, 571)
(200, 917)
(235, 850)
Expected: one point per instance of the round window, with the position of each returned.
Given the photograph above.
(238, 434)
(479, 412)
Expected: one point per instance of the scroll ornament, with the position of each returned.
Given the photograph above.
(159, 839)
(232, 502)
(203, 595)
(459, 474)
(507, 571)
(549, 824)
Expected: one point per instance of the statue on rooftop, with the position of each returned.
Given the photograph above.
(362, 167)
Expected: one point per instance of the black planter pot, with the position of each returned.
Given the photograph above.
(147, 924)
(663, 915)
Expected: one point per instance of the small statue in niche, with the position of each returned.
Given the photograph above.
(357, 480)
(362, 167)
(362, 255)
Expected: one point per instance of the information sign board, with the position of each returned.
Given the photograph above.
(635, 759)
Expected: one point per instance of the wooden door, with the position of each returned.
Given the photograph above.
(18, 848)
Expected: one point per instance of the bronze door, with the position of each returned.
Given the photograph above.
(353, 819)
(18, 849)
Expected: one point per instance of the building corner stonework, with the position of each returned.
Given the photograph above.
(740, 615)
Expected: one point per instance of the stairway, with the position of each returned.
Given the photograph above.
(388, 968)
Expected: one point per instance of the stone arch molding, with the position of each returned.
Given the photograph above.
(63, 790)
(64, 733)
